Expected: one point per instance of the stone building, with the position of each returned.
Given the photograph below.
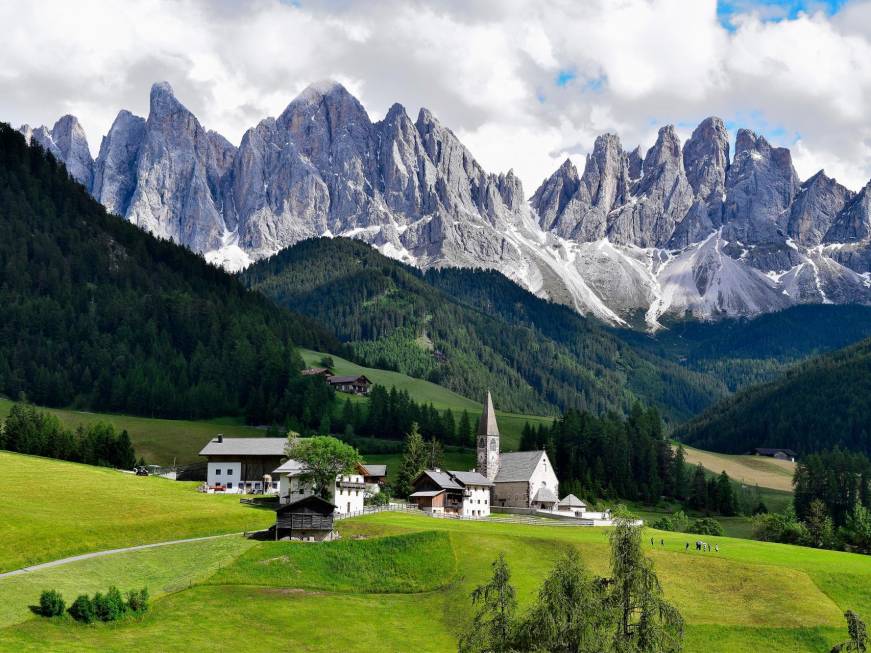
(521, 479)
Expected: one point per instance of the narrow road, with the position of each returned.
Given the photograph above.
(100, 554)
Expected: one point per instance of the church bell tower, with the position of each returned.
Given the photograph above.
(488, 441)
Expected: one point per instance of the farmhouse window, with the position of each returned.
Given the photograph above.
(229, 486)
(217, 472)
(229, 472)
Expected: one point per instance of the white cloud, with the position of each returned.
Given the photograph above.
(488, 69)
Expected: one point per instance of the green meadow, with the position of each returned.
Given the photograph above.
(53, 509)
(394, 581)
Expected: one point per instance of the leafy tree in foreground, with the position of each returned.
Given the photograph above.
(414, 461)
(858, 642)
(492, 628)
(323, 458)
(571, 614)
(646, 622)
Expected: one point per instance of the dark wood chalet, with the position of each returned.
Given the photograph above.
(310, 518)
(358, 385)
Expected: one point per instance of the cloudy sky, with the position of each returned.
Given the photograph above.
(524, 84)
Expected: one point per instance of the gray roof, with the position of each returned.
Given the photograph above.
(348, 378)
(517, 466)
(442, 479)
(544, 495)
(376, 470)
(245, 447)
(487, 424)
(426, 493)
(290, 467)
(572, 501)
(471, 478)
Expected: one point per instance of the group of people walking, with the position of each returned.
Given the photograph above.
(700, 545)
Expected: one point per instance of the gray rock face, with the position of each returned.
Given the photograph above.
(68, 143)
(115, 168)
(760, 186)
(680, 230)
(177, 176)
(815, 209)
(853, 223)
(663, 197)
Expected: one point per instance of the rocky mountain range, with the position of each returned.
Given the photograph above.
(636, 238)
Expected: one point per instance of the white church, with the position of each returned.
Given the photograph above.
(521, 479)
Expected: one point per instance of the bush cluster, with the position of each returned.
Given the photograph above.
(110, 606)
(679, 522)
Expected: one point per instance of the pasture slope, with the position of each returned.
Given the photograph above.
(395, 582)
(750, 470)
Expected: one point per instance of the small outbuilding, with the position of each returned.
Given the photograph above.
(572, 504)
(544, 499)
(309, 519)
(780, 454)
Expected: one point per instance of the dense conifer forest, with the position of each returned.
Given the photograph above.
(817, 405)
(98, 314)
(741, 352)
(472, 331)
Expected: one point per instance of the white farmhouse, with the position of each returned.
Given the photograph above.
(243, 465)
(466, 494)
(347, 494)
(521, 479)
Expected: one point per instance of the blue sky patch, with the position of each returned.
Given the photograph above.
(773, 10)
(563, 77)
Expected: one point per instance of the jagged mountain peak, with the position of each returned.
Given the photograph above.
(681, 229)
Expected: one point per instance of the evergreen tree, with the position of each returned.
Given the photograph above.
(699, 489)
(679, 474)
(414, 460)
(465, 435)
(492, 629)
(646, 622)
(726, 504)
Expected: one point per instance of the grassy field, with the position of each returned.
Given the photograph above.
(162, 570)
(750, 470)
(751, 596)
(53, 509)
(510, 424)
(159, 441)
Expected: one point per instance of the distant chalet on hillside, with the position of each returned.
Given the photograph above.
(358, 385)
(780, 454)
(325, 372)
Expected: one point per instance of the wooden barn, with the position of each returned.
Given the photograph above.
(358, 385)
(310, 518)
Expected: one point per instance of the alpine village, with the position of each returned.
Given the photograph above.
(330, 381)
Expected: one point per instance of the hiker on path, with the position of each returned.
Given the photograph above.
(651, 542)
(717, 548)
(687, 547)
(662, 542)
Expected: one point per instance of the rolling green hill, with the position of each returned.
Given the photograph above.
(817, 405)
(750, 596)
(54, 509)
(470, 331)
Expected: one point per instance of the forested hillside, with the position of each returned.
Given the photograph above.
(817, 405)
(741, 352)
(98, 314)
(472, 331)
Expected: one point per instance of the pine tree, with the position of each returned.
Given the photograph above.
(679, 474)
(465, 436)
(492, 628)
(414, 460)
(699, 489)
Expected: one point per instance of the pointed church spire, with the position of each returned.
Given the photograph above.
(487, 425)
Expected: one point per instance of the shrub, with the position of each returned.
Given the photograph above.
(82, 609)
(706, 526)
(51, 604)
(109, 606)
(678, 522)
(137, 602)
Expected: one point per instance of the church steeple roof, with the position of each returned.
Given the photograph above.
(487, 425)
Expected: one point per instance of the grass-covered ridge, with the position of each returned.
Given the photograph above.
(750, 596)
(416, 562)
(53, 509)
